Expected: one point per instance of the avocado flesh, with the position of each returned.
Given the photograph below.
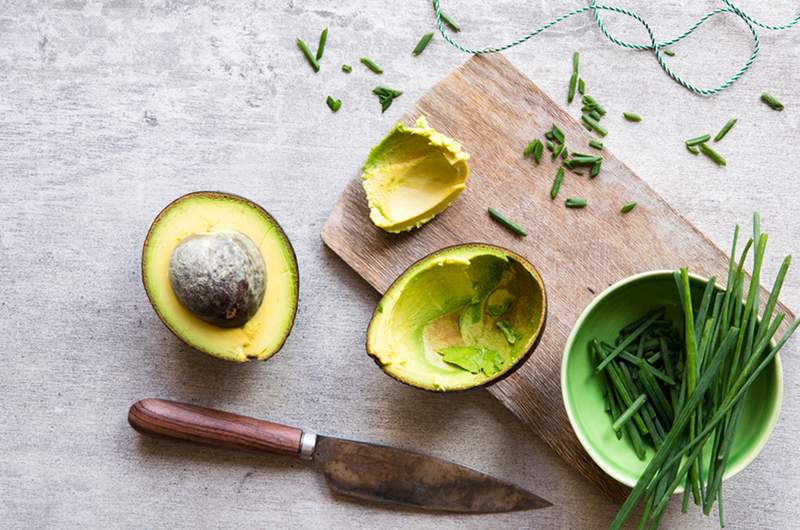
(412, 175)
(205, 213)
(442, 301)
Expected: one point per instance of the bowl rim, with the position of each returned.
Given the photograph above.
(730, 471)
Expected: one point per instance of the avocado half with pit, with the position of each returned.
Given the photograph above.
(222, 276)
(463, 317)
(412, 175)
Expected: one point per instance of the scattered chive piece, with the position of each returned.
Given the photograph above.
(584, 160)
(529, 149)
(557, 151)
(549, 146)
(333, 104)
(386, 96)
(503, 220)
(346, 68)
(369, 63)
(630, 116)
(557, 183)
(725, 128)
(698, 140)
(713, 155)
(557, 134)
(309, 56)
(592, 123)
(549, 135)
(581, 87)
(564, 153)
(692, 149)
(422, 44)
(576, 57)
(595, 169)
(575, 202)
(573, 79)
(594, 114)
(450, 22)
(538, 150)
(589, 101)
(771, 101)
(628, 207)
(596, 144)
(669, 52)
(323, 38)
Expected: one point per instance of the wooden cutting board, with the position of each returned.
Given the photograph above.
(494, 111)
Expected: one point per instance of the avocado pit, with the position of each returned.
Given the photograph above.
(219, 277)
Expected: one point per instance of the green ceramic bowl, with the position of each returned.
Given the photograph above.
(615, 307)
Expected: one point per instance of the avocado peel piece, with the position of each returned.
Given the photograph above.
(412, 175)
(261, 322)
(434, 330)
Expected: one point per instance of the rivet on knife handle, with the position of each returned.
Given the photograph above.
(214, 427)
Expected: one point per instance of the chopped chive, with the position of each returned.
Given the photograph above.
(692, 149)
(538, 150)
(628, 207)
(557, 134)
(369, 63)
(595, 169)
(529, 149)
(323, 38)
(594, 114)
(584, 160)
(576, 57)
(591, 102)
(698, 140)
(573, 79)
(630, 116)
(333, 104)
(575, 153)
(725, 128)
(713, 155)
(309, 56)
(346, 68)
(564, 153)
(568, 164)
(581, 87)
(596, 144)
(386, 96)
(669, 52)
(422, 44)
(629, 412)
(549, 135)
(450, 22)
(575, 202)
(592, 123)
(503, 220)
(549, 146)
(771, 101)
(557, 151)
(557, 183)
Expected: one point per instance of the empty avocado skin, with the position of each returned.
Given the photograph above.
(220, 277)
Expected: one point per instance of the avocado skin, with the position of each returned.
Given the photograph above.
(219, 277)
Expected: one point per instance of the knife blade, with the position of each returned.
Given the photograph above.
(358, 469)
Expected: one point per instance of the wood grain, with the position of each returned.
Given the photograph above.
(182, 421)
(494, 110)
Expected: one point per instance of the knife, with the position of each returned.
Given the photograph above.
(359, 469)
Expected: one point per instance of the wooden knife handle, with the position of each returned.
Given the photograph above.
(213, 427)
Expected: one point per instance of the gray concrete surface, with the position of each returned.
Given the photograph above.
(109, 110)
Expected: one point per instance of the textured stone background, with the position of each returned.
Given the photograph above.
(109, 110)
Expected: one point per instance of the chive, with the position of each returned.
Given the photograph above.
(575, 202)
(628, 207)
(369, 63)
(581, 87)
(585, 160)
(629, 412)
(698, 139)
(333, 104)
(592, 123)
(595, 169)
(725, 128)
(557, 183)
(538, 150)
(595, 115)
(528, 151)
(669, 52)
(590, 101)
(558, 135)
(564, 153)
(557, 151)
(386, 96)
(596, 144)
(549, 135)
(692, 149)
(450, 22)
(323, 38)
(771, 101)
(630, 116)
(503, 220)
(575, 60)
(309, 56)
(346, 68)
(713, 155)
(573, 79)
(422, 44)
(549, 146)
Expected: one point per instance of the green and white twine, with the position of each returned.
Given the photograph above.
(657, 47)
